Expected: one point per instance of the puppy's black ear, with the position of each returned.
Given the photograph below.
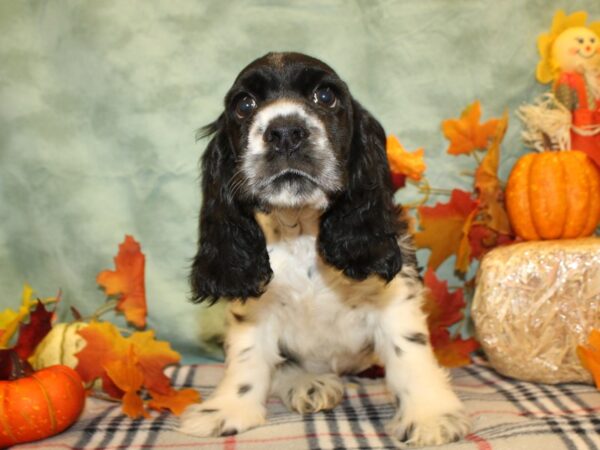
(359, 231)
(232, 259)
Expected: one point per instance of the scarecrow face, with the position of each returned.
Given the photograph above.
(576, 49)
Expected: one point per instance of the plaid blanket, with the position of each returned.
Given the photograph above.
(507, 414)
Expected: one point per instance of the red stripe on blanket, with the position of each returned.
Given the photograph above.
(481, 443)
(229, 443)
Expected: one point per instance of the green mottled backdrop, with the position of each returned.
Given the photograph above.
(100, 100)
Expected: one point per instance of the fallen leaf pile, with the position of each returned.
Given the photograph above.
(130, 366)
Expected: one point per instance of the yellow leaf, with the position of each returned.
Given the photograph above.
(403, 162)
(127, 375)
(10, 319)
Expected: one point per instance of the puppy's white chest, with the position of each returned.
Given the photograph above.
(321, 316)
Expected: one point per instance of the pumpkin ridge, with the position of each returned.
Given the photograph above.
(61, 357)
(594, 211)
(548, 194)
(51, 411)
(531, 200)
(577, 190)
(3, 422)
(517, 199)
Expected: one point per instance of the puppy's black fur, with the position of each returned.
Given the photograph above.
(360, 227)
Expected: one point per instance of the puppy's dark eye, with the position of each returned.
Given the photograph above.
(244, 106)
(325, 96)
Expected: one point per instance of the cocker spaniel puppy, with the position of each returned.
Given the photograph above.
(298, 229)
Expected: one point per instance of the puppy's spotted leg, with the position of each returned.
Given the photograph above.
(429, 412)
(238, 403)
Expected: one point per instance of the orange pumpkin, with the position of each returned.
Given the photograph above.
(553, 195)
(39, 405)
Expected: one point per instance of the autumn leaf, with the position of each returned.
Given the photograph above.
(154, 356)
(445, 309)
(128, 377)
(104, 344)
(466, 134)
(120, 362)
(32, 333)
(453, 352)
(443, 227)
(483, 239)
(589, 355)
(127, 281)
(175, 401)
(488, 187)
(10, 319)
(398, 180)
(402, 162)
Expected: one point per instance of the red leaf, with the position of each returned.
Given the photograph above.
(128, 281)
(483, 239)
(443, 228)
(453, 352)
(32, 333)
(443, 310)
(398, 180)
(442, 307)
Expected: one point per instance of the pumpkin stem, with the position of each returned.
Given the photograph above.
(12, 367)
(106, 307)
(547, 141)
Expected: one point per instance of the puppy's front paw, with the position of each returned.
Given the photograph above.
(221, 417)
(313, 393)
(430, 430)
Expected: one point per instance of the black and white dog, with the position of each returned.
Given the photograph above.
(299, 230)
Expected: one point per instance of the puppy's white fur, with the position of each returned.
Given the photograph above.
(330, 324)
(328, 179)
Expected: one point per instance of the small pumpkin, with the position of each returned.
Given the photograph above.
(553, 195)
(39, 405)
(59, 346)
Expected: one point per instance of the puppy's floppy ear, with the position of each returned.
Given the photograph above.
(232, 259)
(358, 233)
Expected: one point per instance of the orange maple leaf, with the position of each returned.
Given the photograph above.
(453, 352)
(589, 355)
(128, 281)
(443, 228)
(466, 134)
(104, 344)
(488, 187)
(175, 401)
(108, 355)
(154, 356)
(403, 162)
(445, 309)
(128, 376)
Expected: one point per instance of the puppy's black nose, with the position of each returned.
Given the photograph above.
(285, 138)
